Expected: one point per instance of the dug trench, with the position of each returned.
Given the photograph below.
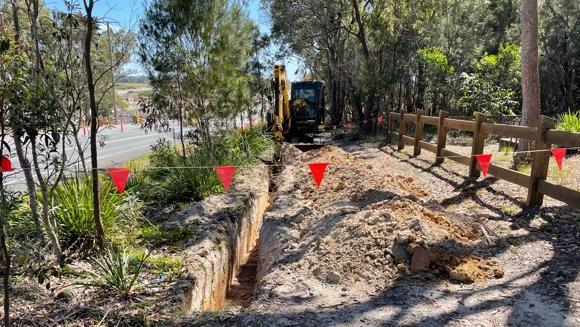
(223, 263)
(285, 241)
(327, 254)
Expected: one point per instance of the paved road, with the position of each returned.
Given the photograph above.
(119, 147)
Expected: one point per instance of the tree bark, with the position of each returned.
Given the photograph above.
(30, 186)
(49, 228)
(24, 163)
(100, 231)
(361, 35)
(530, 71)
(5, 254)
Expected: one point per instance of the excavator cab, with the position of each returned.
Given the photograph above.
(307, 108)
(295, 118)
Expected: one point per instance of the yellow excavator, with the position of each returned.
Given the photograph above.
(299, 117)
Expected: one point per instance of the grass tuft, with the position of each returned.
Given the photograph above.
(115, 270)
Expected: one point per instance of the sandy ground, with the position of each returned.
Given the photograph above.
(317, 275)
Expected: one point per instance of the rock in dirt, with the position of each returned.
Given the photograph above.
(422, 259)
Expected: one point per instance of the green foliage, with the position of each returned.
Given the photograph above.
(157, 236)
(569, 122)
(166, 267)
(19, 224)
(438, 76)
(435, 60)
(73, 209)
(494, 87)
(115, 270)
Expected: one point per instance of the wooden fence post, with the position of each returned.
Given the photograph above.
(418, 132)
(441, 136)
(540, 163)
(401, 130)
(389, 128)
(477, 145)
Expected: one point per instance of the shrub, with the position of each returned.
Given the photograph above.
(569, 122)
(73, 209)
(156, 236)
(239, 148)
(115, 270)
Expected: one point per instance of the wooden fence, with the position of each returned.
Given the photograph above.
(543, 137)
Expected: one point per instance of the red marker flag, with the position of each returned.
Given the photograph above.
(483, 160)
(559, 154)
(317, 169)
(6, 164)
(225, 173)
(119, 177)
(380, 119)
(349, 125)
(254, 120)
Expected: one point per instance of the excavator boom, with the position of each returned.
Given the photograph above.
(281, 118)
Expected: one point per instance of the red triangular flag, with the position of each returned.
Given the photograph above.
(559, 154)
(225, 173)
(317, 169)
(483, 160)
(6, 164)
(119, 177)
(380, 119)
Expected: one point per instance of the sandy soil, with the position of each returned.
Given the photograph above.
(343, 255)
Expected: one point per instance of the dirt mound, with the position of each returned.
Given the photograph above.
(358, 227)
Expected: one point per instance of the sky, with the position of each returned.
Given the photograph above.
(126, 14)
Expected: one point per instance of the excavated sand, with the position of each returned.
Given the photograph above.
(359, 228)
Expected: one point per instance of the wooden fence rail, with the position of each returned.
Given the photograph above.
(543, 137)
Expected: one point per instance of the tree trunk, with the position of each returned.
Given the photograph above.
(181, 137)
(24, 163)
(4, 253)
(100, 231)
(419, 102)
(361, 35)
(530, 71)
(81, 151)
(49, 228)
(26, 170)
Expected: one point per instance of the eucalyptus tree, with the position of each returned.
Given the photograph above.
(530, 71)
(195, 53)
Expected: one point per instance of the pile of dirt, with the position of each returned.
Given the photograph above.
(359, 228)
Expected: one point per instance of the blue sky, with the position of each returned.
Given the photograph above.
(126, 13)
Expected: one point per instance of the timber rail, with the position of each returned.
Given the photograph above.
(542, 137)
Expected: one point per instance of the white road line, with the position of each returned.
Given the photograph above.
(99, 158)
(129, 150)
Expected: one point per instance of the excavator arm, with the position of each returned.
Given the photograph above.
(281, 120)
